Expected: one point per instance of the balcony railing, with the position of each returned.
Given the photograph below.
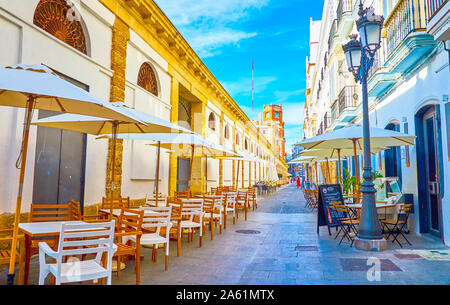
(408, 16)
(347, 98)
(333, 31)
(320, 130)
(378, 59)
(326, 121)
(434, 6)
(334, 110)
(344, 6)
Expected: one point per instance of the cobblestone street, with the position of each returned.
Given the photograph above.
(286, 250)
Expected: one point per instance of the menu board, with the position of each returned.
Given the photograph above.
(328, 193)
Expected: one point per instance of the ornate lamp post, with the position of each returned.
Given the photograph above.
(359, 56)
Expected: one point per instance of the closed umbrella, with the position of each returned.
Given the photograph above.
(38, 87)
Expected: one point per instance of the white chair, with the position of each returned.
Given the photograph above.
(192, 218)
(230, 207)
(79, 239)
(155, 219)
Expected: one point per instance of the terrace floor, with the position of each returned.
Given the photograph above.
(287, 250)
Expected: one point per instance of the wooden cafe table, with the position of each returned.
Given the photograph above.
(379, 205)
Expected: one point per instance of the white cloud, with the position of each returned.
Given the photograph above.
(282, 96)
(207, 24)
(207, 44)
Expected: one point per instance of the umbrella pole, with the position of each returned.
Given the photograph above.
(328, 171)
(237, 175)
(30, 103)
(190, 166)
(157, 173)
(356, 170)
(206, 173)
(113, 169)
(340, 169)
(317, 178)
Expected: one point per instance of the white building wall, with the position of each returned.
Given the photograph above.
(29, 44)
(427, 86)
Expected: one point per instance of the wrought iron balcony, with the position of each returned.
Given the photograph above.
(347, 98)
(344, 7)
(439, 19)
(326, 121)
(434, 6)
(407, 40)
(320, 130)
(408, 16)
(333, 31)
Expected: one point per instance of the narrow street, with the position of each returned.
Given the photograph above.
(285, 249)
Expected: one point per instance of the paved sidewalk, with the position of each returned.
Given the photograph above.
(287, 250)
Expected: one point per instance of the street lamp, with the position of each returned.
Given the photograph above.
(359, 56)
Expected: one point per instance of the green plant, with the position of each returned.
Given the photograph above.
(280, 176)
(348, 181)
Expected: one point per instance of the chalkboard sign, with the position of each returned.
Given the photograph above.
(328, 193)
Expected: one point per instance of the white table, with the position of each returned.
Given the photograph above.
(39, 229)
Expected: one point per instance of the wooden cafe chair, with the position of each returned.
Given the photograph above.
(128, 234)
(112, 204)
(241, 203)
(156, 229)
(5, 255)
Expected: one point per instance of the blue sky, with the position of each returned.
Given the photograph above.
(228, 34)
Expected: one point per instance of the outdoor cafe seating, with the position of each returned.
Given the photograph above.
(134, 227)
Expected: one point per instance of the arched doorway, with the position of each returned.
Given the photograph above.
(392, 157)
(429, 169)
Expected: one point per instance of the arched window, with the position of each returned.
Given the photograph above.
(246, 144)
(147, 78)
(238, 139)
(212, 121)
(226, 132)
(62, 21)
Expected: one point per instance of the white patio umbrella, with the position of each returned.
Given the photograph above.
(351, 137)
(337, 152)
(38, 87)
(100, 126)
(183, 145)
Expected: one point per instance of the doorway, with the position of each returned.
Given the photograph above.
(60, 159)
(429, 158)
(392, 157)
